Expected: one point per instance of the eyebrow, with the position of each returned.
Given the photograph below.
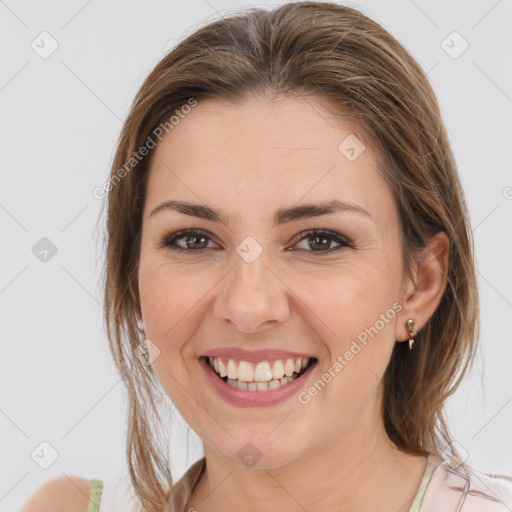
(281, 216)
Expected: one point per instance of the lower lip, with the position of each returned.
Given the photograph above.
(243, 398)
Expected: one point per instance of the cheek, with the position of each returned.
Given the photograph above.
(350, 297)
(168, 296)
(173, 299)
(353, 310)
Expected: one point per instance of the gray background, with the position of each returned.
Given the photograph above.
(60, 118)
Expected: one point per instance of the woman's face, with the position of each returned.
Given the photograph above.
(248, 283)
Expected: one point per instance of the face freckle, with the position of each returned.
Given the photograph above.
(246, 162)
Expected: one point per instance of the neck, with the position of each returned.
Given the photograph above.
(362, 471)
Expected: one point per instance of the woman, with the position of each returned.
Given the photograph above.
(289, 257)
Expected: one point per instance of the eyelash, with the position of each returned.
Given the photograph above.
(169, 240)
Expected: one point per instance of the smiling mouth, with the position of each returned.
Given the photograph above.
(261, 376)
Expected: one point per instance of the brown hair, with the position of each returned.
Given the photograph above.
(329, 52)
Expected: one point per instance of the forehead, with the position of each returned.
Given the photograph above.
(286, 124)
(260, 151)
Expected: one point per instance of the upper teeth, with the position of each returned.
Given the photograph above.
(263, 371)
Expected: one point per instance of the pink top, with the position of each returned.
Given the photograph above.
(461, 488)
(445, 487)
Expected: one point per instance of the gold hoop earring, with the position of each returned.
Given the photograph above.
(409, 325)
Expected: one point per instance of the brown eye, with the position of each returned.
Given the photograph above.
(193, 240)
(321, 241)
(318, 241)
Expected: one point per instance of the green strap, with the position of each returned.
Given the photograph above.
(95, 495)
(418, 499)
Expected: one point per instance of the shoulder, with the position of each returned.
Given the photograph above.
(460, 485)
(62, 494)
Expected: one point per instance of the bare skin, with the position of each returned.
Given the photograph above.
(247, 161)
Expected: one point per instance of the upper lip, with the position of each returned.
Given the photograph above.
(253, 355)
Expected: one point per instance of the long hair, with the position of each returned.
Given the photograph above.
(335, 53)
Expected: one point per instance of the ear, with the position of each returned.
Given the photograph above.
(423, 293)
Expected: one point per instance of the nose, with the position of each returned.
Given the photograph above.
(252, 298)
